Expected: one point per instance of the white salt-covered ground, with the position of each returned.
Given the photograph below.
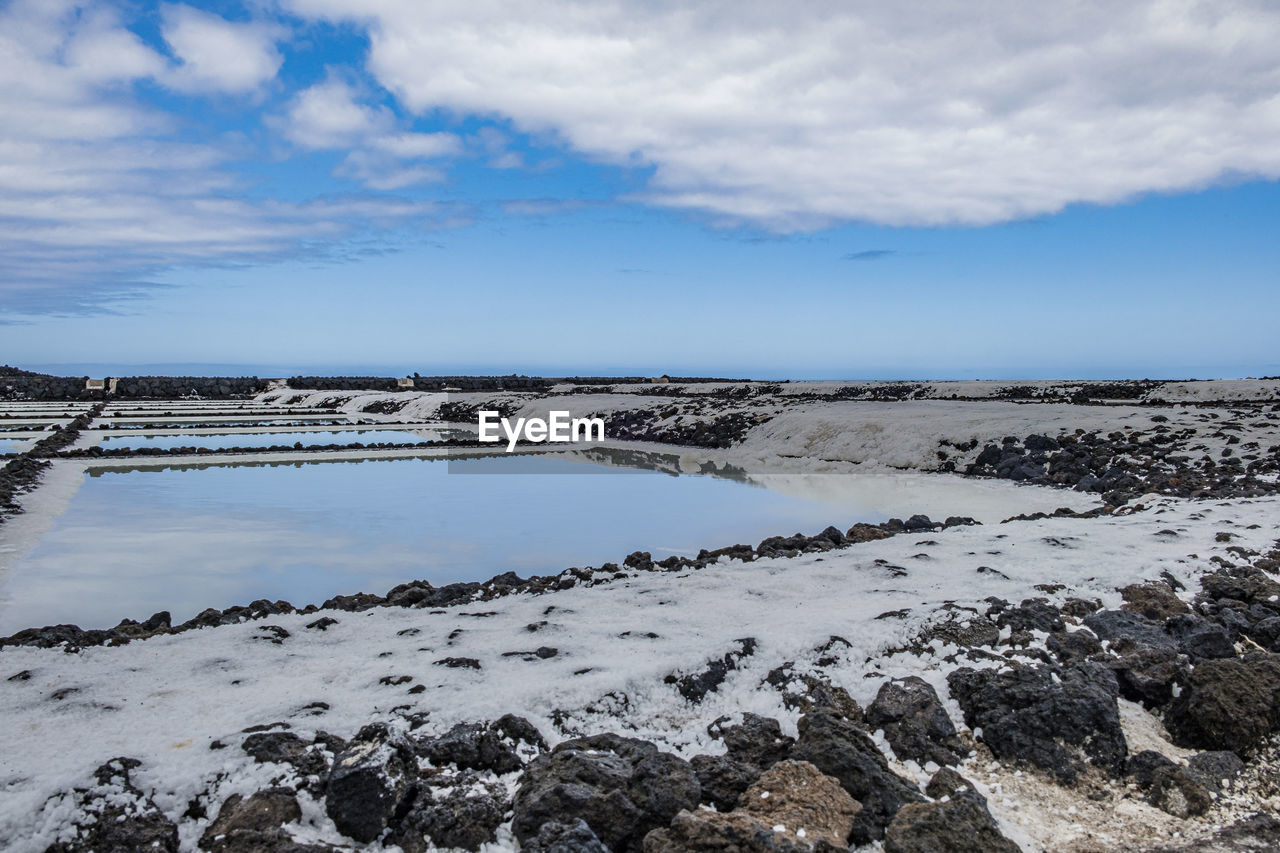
(894, 434)
(266, 427)
(893, 492)
(203, 418)
(165, 699)
(1171, 392)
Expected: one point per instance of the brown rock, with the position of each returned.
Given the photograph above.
(866, 533)
(718, 832)
(1173, 790)
(1080, 607)
(254, 823)
(792, 808)
(797, 795)
(1153, 600)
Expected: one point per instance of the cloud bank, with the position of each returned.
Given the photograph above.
(799, 115)
(99, 193)
(784, 117)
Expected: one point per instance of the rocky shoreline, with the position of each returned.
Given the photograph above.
(1209, 668)
(22, 473)
(98, 452)
(1140, 715)
(421, 594)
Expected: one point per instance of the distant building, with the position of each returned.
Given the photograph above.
(95, 385)
(407, 382)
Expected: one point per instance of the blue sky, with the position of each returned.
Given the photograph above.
(834, 191)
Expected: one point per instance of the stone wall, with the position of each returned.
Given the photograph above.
(342, 383)
(469, 383)
(421, 383)
(183, 386)
(20, 385)
(32, 387)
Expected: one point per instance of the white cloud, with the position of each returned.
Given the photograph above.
(494, 143)
(327, 116)
(103, 51)
(797, 115)
(380, 172)
(382, 156)
(419, 144)
(793, 117)
(96, 197)
(217, 55)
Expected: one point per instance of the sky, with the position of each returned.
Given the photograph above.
(747, 189)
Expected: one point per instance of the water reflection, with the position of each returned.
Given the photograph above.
(138, 538)
(183, 539)
(101, 468)
(310, 438)
(195, 423)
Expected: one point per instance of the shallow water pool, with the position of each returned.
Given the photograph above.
(266, 423)
(309, 438)
(134, 542)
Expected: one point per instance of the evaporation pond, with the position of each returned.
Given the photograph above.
(271, 423)
(309, 438)
(134, 542)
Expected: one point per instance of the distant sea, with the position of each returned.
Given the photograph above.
(101, 369)
(844, 373)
